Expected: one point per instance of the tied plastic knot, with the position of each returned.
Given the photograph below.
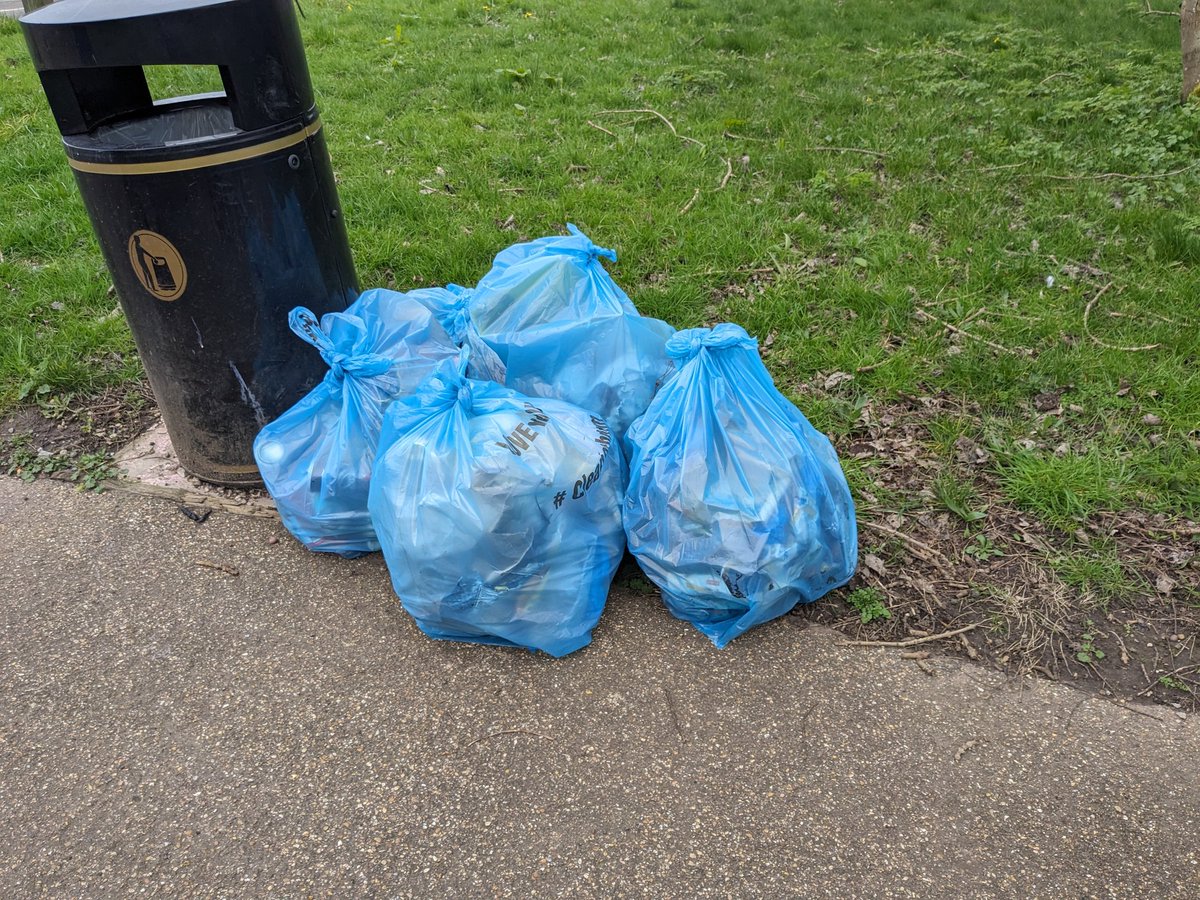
(582, 249)
(364, 365)
(449, 383)
(437, 395)
(457, 321)
(360, 365)
(685, 345)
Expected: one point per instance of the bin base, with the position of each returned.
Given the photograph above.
(148, 466)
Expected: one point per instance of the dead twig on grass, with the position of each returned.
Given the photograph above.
(1118, 176)
(1151, 11)
(949, 52)
(967, 334)
(602, 128)
(921, 549)
(736, 270)
(1049, 78)
(428, 188)
(696, 196)
(1087, 311)
(728, 175)
(741, 137)
(873, 366)
(938, 301)
(651, 112)
(971, 317)
(1152, 315)
(863, 150)
(912, 642)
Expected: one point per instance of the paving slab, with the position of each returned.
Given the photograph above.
(168, 727)
(148, 465)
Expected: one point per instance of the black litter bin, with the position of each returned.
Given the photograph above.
(217, 213)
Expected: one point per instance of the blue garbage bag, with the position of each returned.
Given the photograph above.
(451, 306)
(316, 458)
(736, 506)
(564, 329)
(499, 515)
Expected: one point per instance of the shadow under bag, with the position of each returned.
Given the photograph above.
(737, 507)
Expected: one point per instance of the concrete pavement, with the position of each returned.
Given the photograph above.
(169, 728)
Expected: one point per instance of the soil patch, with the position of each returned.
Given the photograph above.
(1002, 573)
(97, 423)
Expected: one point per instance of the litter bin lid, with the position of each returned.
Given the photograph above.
(90, 56)
(77, 12)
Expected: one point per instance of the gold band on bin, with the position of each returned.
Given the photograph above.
(199, 162)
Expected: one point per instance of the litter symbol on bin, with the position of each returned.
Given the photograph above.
(157, 265)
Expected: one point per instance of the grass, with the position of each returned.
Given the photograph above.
(1065, 489)
(1007, 161)
(958, 497)
(1097, 572)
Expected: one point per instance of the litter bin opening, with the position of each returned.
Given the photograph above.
(183, 120)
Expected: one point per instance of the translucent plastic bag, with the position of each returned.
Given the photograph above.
(451, 306)
(499, 515)
(736, 507)
(563, 329)
(316, 458)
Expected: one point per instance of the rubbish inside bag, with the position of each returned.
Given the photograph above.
(737, 507)
(499, 514)
(451, 306)
(316, 458)
(563, 328)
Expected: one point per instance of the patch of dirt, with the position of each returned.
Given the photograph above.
(938, 574)
(99, 423)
